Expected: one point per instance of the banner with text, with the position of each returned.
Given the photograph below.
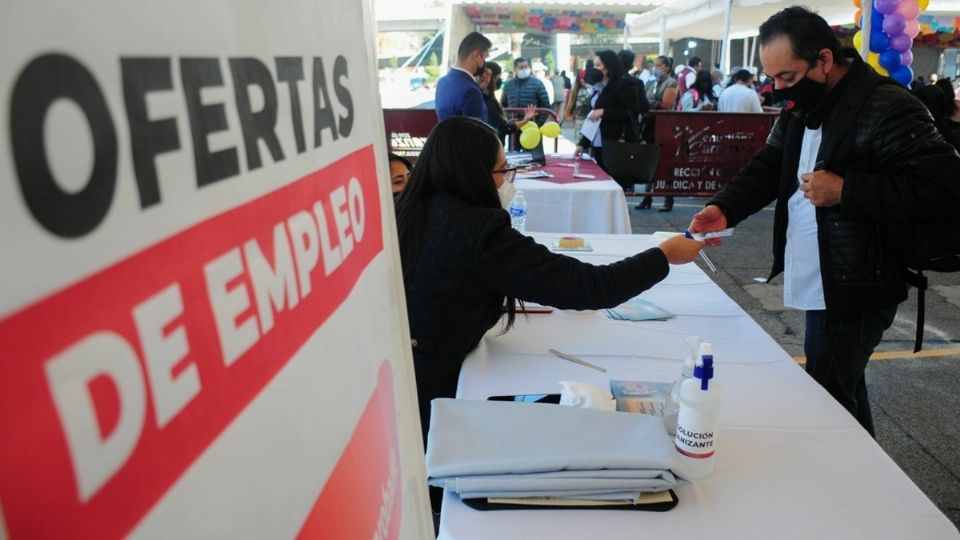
(202, 322)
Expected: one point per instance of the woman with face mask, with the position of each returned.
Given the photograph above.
(578, 103)
(465, 269)
(615, 104)
(490, 82)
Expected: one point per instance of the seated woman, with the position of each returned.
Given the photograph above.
(489, 83)
(700, 96)
(400, 168)
(465, 269)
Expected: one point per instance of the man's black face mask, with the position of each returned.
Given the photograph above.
(802, 97)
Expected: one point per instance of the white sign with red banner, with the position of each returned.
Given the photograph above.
(202, 328)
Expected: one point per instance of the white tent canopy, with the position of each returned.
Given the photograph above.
(704, 18)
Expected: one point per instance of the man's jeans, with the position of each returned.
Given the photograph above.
(837, 353)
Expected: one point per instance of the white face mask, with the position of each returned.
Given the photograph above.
(523, 73)
(506, 192)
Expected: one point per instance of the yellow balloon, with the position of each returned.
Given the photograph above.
(873, 59)
(550, 129)
(858, 40)
(529, 125)
(530, 138)
(923, 4)
(882, 71)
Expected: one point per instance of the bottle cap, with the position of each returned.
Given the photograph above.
(704, 370)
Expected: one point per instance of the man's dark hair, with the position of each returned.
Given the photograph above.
(695, 61)
(808, 33)
(947, 86)
(626, 57)
(739, 76)
(612, 63)
(475, 41)
(666, 60)
(519, 59)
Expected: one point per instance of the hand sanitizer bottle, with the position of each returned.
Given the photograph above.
(697, 422)
(672, 406)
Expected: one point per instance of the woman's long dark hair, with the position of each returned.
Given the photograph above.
(456, 160)
(495, 71)
(704, 86)
(612, 63)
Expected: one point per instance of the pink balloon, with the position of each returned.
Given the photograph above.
(906, 58)
(912, 28)
(909, 9)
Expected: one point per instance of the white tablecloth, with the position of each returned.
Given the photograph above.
(583, 207)
(791, 463)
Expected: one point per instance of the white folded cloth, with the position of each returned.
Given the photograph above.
(586, 395)
(505, 449)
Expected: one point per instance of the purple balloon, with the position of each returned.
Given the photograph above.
(906, 58)
(901, 43)
(894, 24)
(886, 6)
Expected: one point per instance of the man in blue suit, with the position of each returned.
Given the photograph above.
(458, 93)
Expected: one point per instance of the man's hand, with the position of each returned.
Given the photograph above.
(823, 188)
(578, 152)
(529, 114)
(710, 219)
(596, 114)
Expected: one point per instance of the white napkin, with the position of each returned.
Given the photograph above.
(586, 396)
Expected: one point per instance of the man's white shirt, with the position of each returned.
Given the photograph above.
(802, 282)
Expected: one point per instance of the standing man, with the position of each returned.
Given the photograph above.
(627, 59)
(842, 180)
(458, 93)
(523, 90)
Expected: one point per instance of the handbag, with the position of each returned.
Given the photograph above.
(630, 163)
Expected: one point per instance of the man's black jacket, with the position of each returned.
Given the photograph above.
(897, 170)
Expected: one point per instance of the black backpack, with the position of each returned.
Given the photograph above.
(926, 246)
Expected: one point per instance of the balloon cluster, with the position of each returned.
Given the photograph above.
(530, 134)
(893, 25)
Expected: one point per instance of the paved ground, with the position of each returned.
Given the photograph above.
(915, 400)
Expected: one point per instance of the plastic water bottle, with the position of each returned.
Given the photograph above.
(518, 212)
(697, 423)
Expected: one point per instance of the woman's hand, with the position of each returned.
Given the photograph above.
(596, 114)
(680, 250)
(578, 152)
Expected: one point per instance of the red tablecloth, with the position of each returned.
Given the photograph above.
(562, 171)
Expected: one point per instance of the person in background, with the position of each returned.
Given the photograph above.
(558, 94)
(643, 70)
(489, 84)
(717, 77)
(739, 95)
(661, 94)
(936, 99)
(841, 182)
(686, 75)
(934, 78)
(578, 102)
(523, 90)
(540, 73)
(700, 96)
(616, 106)
(953, 109)
(627, 59)
(400, 168)
(567, 84)
(657, 89)
(458, 93)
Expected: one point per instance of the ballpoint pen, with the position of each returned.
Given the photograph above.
(706, 260)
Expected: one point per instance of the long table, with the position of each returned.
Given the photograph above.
(791, 462)
(575, 205)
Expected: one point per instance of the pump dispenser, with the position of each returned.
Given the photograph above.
(697, 422)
